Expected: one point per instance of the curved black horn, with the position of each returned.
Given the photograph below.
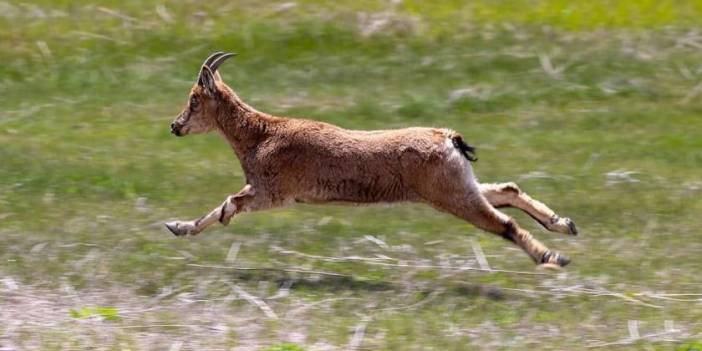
(209, 60)
(218, 61)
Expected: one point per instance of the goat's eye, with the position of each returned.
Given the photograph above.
(193, 102)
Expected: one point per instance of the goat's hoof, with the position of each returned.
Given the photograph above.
(179, 228)
(562, 225)
(173, 228)
(572, 230)
(554, 258)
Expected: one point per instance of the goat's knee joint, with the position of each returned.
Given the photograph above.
(228, 210)
(511, 188)
(235, 204)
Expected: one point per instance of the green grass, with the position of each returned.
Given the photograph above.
(89, 172)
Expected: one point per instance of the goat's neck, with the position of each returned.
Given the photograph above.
(243, 126)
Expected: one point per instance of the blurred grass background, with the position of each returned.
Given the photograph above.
(592, 107)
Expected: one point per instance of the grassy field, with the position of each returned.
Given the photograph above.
(593, 108)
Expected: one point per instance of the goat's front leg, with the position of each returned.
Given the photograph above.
(239, 202)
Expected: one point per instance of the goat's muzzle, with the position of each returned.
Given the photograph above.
(175, 129)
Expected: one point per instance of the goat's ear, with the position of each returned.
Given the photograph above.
(207, 81)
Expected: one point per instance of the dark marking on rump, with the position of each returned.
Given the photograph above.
(465, 149)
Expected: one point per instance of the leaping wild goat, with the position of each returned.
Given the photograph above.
(288, 160)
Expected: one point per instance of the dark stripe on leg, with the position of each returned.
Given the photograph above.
(221, 213)
(510, 232)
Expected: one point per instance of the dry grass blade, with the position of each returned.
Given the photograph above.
(577, 290)
(267, 310)
(671, 297)
(91, 35)
(374, 262)
(693, 93)
(480, 255)
(358, 334)
(176, 346)
(301, 309)
(233, 252)
(603, 292)
(548, 67)
(144, 326)
(162, 12)
(426, 300)
(630, 340)
(283, 251)
(117, 14)
(287, 270)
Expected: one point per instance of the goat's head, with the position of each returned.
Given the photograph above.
(199, 115)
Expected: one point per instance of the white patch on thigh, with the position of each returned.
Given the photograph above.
(466, 169)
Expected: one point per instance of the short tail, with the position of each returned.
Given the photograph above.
(467, 150)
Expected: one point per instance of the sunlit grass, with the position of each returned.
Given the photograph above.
(609, 134)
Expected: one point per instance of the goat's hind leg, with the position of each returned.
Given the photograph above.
(490, 219)
(477, 210)
(509, 194)
(234, 204)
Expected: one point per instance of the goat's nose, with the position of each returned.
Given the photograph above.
(175, 129)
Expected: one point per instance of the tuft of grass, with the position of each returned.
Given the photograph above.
(106, 313)
(285, 347)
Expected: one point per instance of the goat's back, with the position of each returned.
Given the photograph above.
(311, 161)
